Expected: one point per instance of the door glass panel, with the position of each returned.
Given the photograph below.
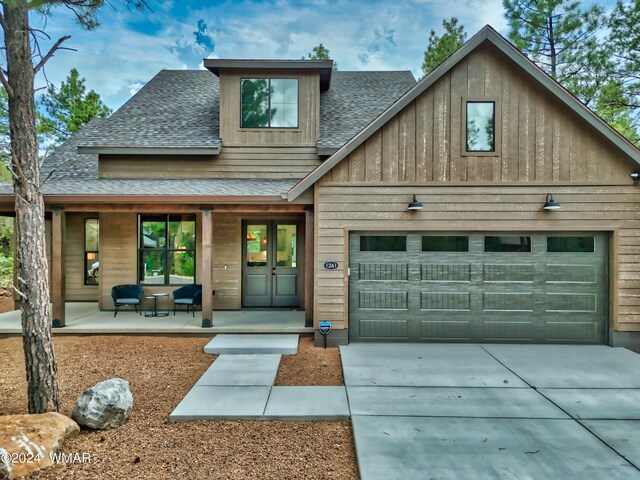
(257, 244)
(507, 244)
(383, 243)
(571, 244)
(287, 243)
(445, 243)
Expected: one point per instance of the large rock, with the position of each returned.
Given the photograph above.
(105, 405)
(29, 441)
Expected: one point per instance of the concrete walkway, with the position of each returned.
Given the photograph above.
(449, 411)
(240, 385)
(494, 411)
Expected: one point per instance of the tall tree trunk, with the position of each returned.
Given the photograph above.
(33, 271)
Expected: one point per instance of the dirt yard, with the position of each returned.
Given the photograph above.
(161, 370)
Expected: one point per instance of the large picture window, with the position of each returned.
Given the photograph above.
(167, 250)
(91, 251)
(269, 103)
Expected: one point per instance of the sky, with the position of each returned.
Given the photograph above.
(130, 47)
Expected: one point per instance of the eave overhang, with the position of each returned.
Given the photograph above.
(323, 67)
(150, 150)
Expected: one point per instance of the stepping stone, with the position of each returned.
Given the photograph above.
(205, 402)
(307, 403)
(253, 344)
(242, 370)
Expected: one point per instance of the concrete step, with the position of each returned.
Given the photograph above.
(240, 344)
(242, 370)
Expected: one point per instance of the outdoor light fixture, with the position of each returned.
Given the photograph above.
(635, 176)
(415, 204)
(550, 203)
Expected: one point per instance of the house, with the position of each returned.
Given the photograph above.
(483, 203)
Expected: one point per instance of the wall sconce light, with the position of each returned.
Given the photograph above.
(415, 204)
(550, 203)
(635, 176)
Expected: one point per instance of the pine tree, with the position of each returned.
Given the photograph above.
(441, 47)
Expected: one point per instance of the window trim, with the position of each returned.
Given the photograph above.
(85, 251)
(165, 249)
(269, 78)
(497, 127)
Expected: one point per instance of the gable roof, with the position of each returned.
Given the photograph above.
(487, 33)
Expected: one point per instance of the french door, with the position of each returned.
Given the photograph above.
(270, 276)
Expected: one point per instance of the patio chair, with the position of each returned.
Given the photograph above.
(126, 295)
(189, 295)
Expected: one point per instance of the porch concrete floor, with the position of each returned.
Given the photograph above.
(84, 318)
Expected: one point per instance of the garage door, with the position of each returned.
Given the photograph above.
(478, 288)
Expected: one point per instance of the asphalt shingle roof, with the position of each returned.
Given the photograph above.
(180, 109)
(355, 99)
(176, 108)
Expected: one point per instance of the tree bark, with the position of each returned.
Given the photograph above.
(33, 271)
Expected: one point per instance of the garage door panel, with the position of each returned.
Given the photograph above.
(445, 330)
(445, 301)
(508, 302)
(508, 330)
(571, 273)
(381, 329)
(508, 295)
(511, 273)
(445, 272)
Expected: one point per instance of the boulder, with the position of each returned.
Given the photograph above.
(105, 405)
(27, 441)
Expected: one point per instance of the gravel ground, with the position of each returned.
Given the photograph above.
(161, 370)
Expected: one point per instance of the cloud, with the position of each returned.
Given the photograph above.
(131, 47)
(191, 50)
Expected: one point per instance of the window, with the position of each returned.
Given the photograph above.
(571, 244)
(269, 103)
(167, 250)
(383, 243)
(445, 243)
(91, 251)
(480, 126)
(507, 244)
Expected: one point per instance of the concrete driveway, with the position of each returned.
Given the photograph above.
(494, 411)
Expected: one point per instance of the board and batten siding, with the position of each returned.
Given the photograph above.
(75, 289)
(232, 162)
(308, 130)
(544, 148)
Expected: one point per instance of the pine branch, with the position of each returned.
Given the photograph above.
(50, 53)
(5, 83)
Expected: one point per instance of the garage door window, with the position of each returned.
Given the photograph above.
(571, 244)
(507, 244)
(383, 243)
(445, 243)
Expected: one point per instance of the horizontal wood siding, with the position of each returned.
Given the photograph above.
(226, 249)
(341, 209)
(118, 253)
(308, 129)
(539, 140)
(233, 162)
(76, 290)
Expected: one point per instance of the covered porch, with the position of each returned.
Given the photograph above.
(87, 318)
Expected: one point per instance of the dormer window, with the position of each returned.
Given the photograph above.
(269, 103)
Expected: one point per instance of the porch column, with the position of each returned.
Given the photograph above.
(309, 264)
(205, 272)
(57, 268)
